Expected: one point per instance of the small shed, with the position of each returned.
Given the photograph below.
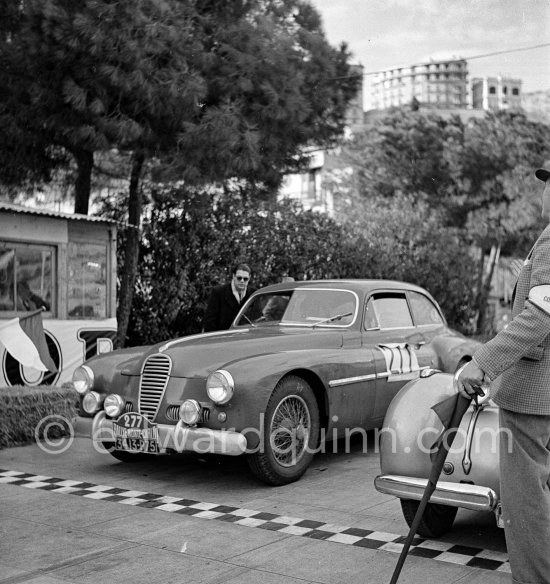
(65, 264)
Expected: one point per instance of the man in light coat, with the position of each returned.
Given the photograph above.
(517, 362)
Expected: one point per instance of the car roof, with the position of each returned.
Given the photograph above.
(356, 285)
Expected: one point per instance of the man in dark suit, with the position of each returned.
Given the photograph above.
(225, 301)
(517, 360)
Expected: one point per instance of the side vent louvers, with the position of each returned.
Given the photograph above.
(154, 380)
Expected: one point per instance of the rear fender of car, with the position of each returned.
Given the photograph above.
(411, 422)
(411, 427)
(453, 350)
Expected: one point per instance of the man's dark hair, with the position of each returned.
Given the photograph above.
(243, 267)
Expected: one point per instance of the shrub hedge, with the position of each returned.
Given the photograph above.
(190, 240)
(24, 413)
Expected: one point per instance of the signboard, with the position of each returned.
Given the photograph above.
(70, 343)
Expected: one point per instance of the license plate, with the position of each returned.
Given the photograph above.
(135, 433)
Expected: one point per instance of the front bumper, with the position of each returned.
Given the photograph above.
(464, 495)
(179, 438)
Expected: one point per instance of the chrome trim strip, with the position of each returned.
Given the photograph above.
(170, 344)
(371, 376)
(464, 495)
(348, 380)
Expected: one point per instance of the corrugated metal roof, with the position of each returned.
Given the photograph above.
(12, 208)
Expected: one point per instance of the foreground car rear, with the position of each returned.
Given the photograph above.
(470, 477)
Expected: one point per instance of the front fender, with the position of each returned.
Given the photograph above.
(112, 369)
(256, 377)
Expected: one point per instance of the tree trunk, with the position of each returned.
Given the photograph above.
(85, 163)
(131, 250)
(484, 326)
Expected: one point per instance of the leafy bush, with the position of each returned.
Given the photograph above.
(191, 240)
(23, 408)
(414, 245)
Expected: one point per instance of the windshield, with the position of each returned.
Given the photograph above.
(304, 306)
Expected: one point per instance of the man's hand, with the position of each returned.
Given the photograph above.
(471, 379)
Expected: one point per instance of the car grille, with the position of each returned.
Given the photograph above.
(128, 407)
(154, 380)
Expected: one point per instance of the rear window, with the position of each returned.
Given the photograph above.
(424, 310)
(388, 310)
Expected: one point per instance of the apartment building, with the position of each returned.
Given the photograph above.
(496, 93)
(435, 83)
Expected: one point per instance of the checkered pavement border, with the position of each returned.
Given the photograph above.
(446, 552)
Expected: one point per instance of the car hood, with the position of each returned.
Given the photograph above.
(199, 355)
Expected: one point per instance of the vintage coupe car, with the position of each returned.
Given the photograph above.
(470, 476)
(303, 362)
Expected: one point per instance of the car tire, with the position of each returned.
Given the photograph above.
(290, 433)
(124, 456)
(436, 520)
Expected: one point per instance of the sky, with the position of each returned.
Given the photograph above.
(387, 33)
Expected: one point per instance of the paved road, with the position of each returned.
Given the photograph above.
(83, 517)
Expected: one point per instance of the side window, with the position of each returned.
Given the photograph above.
(87, 294)
(371, 321)
(425, 313)
(26, 277)
(388, 310)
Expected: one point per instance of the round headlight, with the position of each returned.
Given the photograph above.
(113, 405)
(220, 386)
(190, 412)
(91, 402)
(83, 379)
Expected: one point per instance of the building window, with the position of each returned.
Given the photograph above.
(505, 90)
(492, 90)
(26, 276)
(87, 292)
(515, 91)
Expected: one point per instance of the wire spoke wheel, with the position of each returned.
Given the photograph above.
(290, 433)
(290, 430)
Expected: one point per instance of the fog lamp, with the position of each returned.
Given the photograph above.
(91, 402)
(190, 412)
(220, 386)
(113, 405)
(83, 379)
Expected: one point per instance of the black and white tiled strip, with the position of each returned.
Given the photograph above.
(445, 552)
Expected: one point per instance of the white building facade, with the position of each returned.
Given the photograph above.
(496, 93)
(432, 84)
